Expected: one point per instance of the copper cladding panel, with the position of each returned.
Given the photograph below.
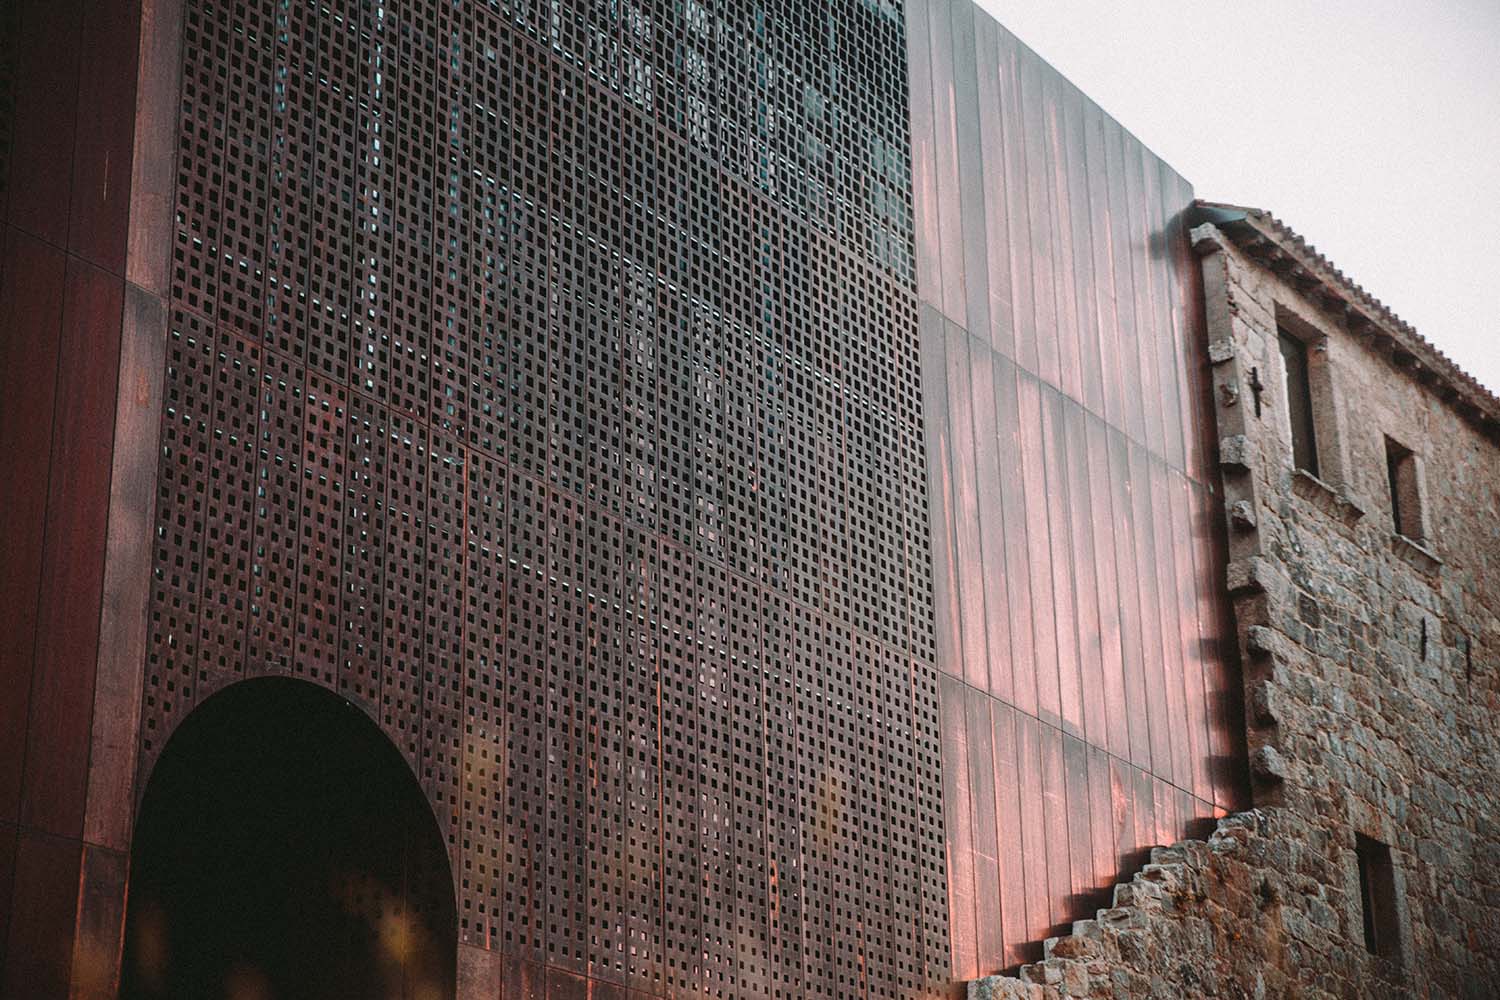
(1088, 712)
(544, 378)
(547, 379)
(67, 73)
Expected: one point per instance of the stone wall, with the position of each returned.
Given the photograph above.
(1371, 689)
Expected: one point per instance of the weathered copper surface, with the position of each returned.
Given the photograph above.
(67, 80)
(1088, 710)
(545, 381)
(572, 387)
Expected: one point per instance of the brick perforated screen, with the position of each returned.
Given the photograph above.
(544, 377)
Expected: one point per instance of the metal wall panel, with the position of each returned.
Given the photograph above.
(768, 503)
(1088, 713)
(67, 93)
(44, 903)
(98, 213)
(31, 305)
(55, 781)
(545, 379)
(43, 71)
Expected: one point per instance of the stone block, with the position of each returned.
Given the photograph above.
(1242, 516)
(1235, 453)
(1267, 764)
(1220, 351)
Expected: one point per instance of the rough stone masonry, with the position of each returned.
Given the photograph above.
(1371, 661)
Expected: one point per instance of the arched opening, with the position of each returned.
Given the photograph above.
(284, 850)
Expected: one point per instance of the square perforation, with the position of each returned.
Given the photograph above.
(542, 377)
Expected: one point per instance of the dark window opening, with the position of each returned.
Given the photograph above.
(1299, 402)
(1377, 892)
(1406, 499)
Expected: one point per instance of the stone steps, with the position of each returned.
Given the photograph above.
(1079, 963)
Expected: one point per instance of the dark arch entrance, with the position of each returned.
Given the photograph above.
(284, 850)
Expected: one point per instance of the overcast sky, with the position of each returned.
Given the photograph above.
(1371, 127)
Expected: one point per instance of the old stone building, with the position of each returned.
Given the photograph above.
(1363, 523)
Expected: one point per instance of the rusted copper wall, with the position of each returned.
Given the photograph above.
(550, 380)
(73, 317)
(544, 379)
(1088, 710)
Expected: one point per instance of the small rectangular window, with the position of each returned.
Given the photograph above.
(1377, 891)
(1299, 402)
(1406, 498)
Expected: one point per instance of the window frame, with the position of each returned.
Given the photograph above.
(1407, 498)
(1378, 891)
(1297, 389)
(1325, 406)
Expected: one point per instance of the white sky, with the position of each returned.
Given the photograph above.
(1371, 127)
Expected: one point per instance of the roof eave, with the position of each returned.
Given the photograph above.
(1281, 250)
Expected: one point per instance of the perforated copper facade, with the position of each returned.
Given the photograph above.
(1089, 710)
(748, 457)
(544, 378)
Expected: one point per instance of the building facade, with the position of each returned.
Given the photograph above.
(1090, 708)
(705, 499)
(1363, 537)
